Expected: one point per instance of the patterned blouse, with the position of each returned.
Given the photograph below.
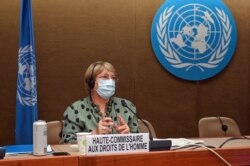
(83, 116)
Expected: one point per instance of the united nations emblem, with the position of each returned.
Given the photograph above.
(193, 41)
(26, 83)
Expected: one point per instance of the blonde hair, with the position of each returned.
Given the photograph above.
(93, 70)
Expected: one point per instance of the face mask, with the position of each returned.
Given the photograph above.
(106, 88)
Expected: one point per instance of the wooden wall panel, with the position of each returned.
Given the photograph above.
(228, 93)
(9, 31)
(160, 97)
(71, 35)
(76, 35)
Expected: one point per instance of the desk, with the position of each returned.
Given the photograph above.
(236, 152)
(39, 161)
(172, 158)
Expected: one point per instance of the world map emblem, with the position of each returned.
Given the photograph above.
(26, 86)
(193, 41)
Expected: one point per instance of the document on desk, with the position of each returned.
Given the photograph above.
(22, 149)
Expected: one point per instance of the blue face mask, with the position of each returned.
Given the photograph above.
(106, 88)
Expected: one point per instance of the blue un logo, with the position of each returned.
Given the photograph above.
(193, 41)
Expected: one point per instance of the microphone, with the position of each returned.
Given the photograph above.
(153, 144)
(2, 152)
(223, 126)
(124, 104)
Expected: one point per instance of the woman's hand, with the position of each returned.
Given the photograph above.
(105, 126)
(122, 128)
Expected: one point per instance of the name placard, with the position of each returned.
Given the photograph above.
(117, 143)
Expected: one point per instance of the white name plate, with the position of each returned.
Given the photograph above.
(117, 143)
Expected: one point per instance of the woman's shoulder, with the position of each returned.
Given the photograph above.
(79, 103)
(83, 100)
(119, 99)
(122, 101)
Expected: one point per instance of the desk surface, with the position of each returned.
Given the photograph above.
(236, 152)
(232, 142)
(30, 160)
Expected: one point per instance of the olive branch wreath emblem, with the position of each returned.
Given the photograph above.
(30, 100)
(172, 57)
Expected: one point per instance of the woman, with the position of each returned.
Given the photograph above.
(100, 112)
